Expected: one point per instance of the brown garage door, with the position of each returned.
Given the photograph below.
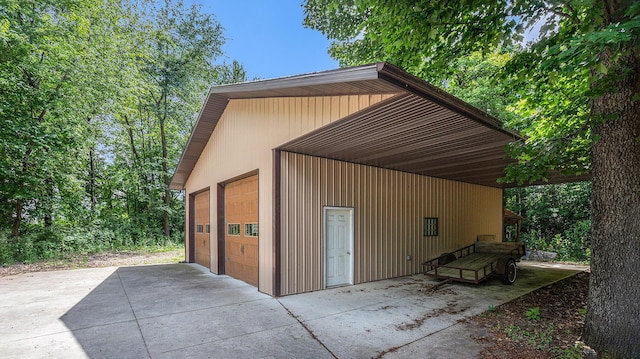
(202, 228)
(241, 239)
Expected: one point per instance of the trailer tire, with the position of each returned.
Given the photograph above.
(510, 272)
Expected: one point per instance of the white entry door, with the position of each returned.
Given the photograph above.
(338, 224)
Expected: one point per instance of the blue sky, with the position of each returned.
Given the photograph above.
(268, 38)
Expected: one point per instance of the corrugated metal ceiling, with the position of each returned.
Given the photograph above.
(412, 134)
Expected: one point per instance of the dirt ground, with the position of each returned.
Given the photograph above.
(517, 329)
(106, 259)
(546, 323)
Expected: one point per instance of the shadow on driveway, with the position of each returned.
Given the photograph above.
(172, 311)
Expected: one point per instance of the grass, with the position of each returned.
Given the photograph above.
(539, 338)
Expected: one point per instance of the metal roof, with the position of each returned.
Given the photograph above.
(421, 129)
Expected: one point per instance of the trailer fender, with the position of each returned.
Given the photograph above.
(502, 264)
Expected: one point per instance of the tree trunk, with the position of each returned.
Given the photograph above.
(136, 157)
(613, 306)
(48, 220)
(165, 175)
(17, 220)
(92, 181)
(48, 203)
(19, 203)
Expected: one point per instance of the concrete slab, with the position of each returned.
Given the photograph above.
(450, 343)
(42, 286)
(181, 330)
(56, 345)
(117, 340)
(284, 342)
(180, 310)
(373, 319)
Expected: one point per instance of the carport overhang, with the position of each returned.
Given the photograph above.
(420, 129)
(410, 133)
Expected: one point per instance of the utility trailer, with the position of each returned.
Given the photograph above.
(477, 262)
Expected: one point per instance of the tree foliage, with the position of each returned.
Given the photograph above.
(42, 116)
(426, 38)
(97, 99)
(555, 218)
(474, 81)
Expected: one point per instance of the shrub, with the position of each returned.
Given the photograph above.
(61, 240)
(571, 245)
(533, 314)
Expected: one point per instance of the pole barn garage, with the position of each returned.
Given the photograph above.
(340, 177)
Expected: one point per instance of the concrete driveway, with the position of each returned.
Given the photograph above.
(181, 310)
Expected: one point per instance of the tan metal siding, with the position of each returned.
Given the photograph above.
(389, 211)
(242, 142)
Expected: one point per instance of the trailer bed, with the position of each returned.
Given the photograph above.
(474, 263)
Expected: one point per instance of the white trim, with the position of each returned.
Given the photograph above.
(351, 240)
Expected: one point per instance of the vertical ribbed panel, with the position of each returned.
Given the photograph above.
(242, 142)
(389, 207)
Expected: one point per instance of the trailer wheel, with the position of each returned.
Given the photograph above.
(510, 272)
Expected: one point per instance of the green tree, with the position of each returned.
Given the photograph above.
(180, 45)
(184, 43)
(97, 99)
(585, 69)
(170, 54)
(45, 48)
